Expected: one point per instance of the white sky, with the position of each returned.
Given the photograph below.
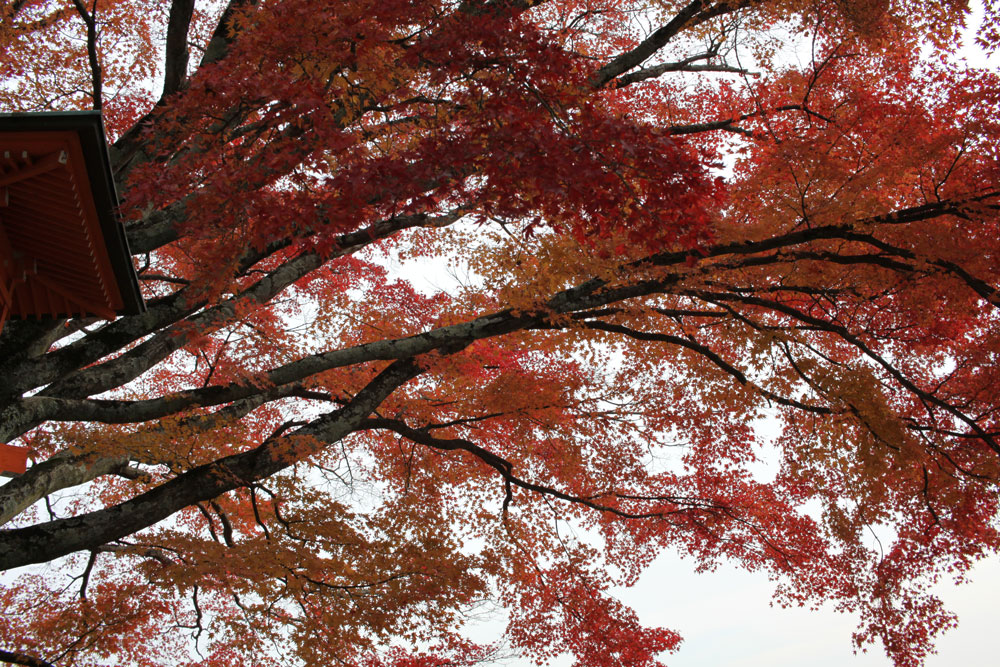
(726, 619)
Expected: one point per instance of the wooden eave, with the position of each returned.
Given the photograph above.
(63, 252)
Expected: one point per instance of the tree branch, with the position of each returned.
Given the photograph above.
(59, 472)
(694, 13)
(90, 19)
(47, 541)
(17, 658)
(176, 61)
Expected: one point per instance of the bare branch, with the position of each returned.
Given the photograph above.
(90, 18)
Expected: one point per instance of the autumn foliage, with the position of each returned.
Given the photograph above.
(456, 303)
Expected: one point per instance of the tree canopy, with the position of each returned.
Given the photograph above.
(658, 223)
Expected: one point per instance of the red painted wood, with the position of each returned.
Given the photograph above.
(13, 460)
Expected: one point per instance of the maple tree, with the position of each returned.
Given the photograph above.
(665, 222)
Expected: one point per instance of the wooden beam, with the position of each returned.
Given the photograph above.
(47, 163)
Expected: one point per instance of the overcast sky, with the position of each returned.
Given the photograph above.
(726, 619)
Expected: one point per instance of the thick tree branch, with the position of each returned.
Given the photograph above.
(47, 541)
(692, 14)
(131, 150)
(166, 341)
(176, 61)
(55, 474)
(24, 371)
(122, 369)
(18, 658)
(497, 324)
(226, 32)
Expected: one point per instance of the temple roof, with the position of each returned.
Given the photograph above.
(63, 252)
